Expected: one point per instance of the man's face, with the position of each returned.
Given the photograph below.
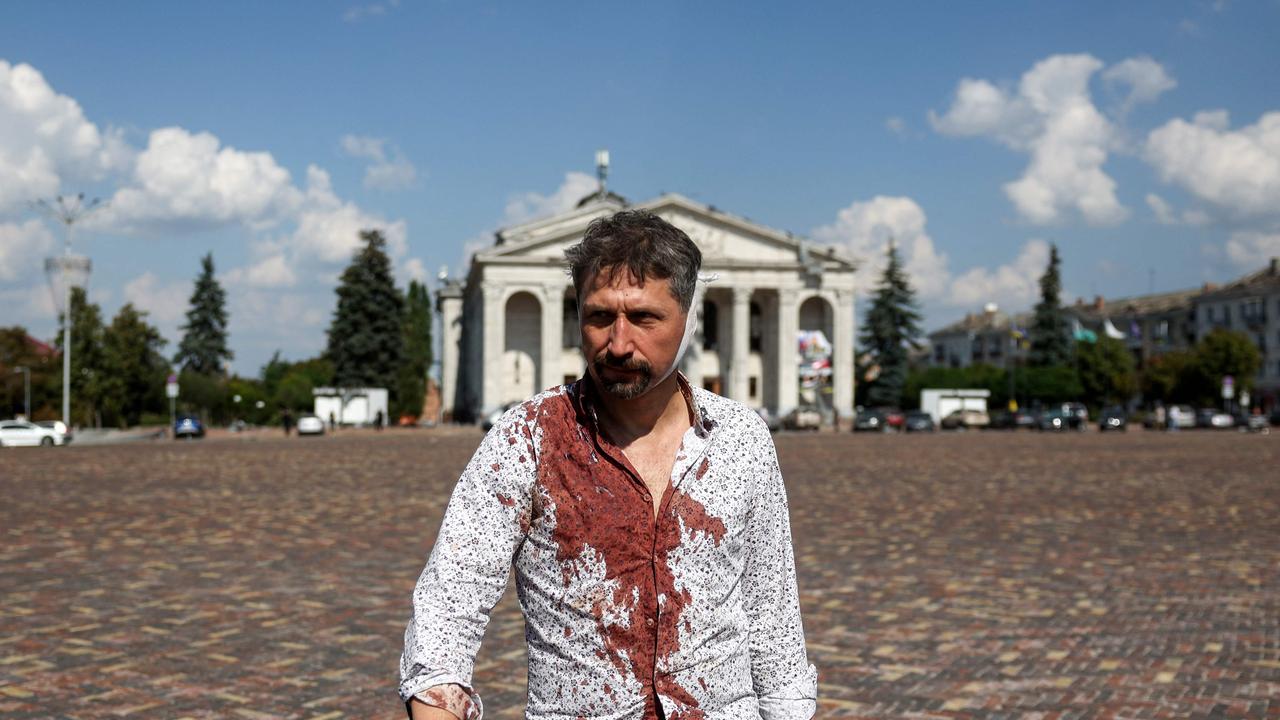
(631, 332)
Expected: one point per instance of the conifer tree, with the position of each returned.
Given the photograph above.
(204, 347)
(417, 348)
(1050, 342)
(366, 341)
(891, 329)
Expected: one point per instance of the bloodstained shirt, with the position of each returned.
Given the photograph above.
(696, 610)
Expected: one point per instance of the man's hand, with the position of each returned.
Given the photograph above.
(419, 710)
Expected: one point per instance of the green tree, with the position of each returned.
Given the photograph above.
(204, 341)
(1050, 344)
(44, 371)
(1220, 353)
(412, 381)
(87, 358)
(1106, 371)
(891, 331)
(1169, 378)
(1052, 384)
(135, 367)
(366, 340)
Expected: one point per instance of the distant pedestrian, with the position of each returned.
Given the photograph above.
(1159, 416)
(377, 421)
(333, 422)
(286, 419)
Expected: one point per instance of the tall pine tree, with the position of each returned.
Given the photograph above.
(204, 348)
(1050, 340)
(891, 329)
(366, 341)
(417, 348)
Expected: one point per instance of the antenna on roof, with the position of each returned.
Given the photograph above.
(602, 171)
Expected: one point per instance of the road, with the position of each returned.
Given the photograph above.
(979, 575)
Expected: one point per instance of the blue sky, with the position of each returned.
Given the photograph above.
(1142, 138)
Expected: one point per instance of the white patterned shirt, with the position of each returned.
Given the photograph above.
(696, 611)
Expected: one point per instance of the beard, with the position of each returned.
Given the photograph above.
(623, 389)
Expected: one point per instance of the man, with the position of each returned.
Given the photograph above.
(646, 520)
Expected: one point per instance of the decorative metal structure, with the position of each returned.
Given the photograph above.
(66, 272)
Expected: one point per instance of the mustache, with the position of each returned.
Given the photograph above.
(607, 360)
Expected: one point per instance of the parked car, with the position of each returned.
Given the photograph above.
(187, 426)
(59, 427)
(310, 425)
(1113, 418)
(869, 420)
(803, 419)
(1253, 422)
(15, 433)
(1013, 420)
(1066, 416)
(492, 418)
(918, 422)
(1211, 419)
(965, 419)
(771, 421)
(893, 417)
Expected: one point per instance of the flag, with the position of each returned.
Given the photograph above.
(1135, 330)
(1111, 330)
(1081, 334)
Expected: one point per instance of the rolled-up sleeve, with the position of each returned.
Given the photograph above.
(785, 683)
(466, 574)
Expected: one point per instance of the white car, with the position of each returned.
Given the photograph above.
(310, 425)
(14, 433)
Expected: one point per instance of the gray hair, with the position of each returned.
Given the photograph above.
(642, 244)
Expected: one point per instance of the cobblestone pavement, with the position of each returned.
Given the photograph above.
(966, 576)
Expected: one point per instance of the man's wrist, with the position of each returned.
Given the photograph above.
(419, 710)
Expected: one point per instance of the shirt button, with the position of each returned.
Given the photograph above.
(648, 622)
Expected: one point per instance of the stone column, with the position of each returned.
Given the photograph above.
(691, 366)
(741, 343)
(843, 344)
(552, 335)
(449, 305)
(494, 345)
(788, 325)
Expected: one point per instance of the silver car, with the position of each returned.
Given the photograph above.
(15, 433)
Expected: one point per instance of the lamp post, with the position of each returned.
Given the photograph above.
(67, 271)
(26, 389)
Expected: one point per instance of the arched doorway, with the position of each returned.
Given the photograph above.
(817, 357)
(521, 348)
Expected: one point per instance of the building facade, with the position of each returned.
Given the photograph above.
(510, 329)
(1149, 325)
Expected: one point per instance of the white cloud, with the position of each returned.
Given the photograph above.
(329, 228)
(527, 206)
(268, 272)
(388, 168)
(415, 269)
(1051, 117)
(45, 137)
(22, 249)
(1144, 80)
(1237, 171)
(356, 13)
(1252, 249)
(190, 179)
(896, 125)
(166, 303)
(1162, 210)
(1014, 285)
(865, 228)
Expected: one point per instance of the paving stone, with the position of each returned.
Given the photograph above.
(979, 575)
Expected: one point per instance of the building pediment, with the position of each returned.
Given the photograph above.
(725, 240)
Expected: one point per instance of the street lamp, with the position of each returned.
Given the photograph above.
(26, 389)
(66, 272)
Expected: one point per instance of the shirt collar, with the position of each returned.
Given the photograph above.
(585, 399)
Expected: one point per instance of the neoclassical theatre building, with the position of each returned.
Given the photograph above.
(511, 328)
